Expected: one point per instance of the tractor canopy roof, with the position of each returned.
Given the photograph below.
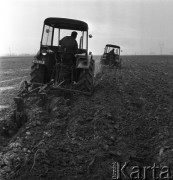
(111, 45)
(64, 23)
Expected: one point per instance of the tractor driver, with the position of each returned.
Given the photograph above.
(70, 43)
(112, 51)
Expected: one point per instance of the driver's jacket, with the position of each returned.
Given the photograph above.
(70, 44)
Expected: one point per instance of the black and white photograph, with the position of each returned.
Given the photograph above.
(86, 89)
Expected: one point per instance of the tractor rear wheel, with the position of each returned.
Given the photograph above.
(37, 74)
(86, 78)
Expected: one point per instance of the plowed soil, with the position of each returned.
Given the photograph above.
(128, 118)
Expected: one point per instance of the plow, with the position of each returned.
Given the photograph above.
(42, 91)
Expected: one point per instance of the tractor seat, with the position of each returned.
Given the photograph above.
(81, 51)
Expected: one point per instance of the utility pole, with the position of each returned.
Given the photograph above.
(161, 47)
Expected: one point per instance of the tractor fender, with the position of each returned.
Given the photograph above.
(83, 61)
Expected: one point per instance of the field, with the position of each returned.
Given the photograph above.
(12, 71)
(15, 69)
(127, 119)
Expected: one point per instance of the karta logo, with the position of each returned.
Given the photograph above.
(124, 171)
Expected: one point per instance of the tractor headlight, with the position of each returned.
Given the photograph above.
(44, 52)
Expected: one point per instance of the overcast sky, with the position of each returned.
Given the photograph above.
(138, 26)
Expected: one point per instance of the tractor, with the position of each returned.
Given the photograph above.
(111, 56)
(55, 70)
(54, 65)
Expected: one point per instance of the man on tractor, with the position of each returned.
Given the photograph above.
(70, 43)
(69, 46)
(112, 51)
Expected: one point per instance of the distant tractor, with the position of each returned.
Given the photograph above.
(111, 56)
(54, 64)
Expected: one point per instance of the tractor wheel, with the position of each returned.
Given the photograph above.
(86, 78)
(37, 74)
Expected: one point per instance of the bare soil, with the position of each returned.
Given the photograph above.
(128, 118)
